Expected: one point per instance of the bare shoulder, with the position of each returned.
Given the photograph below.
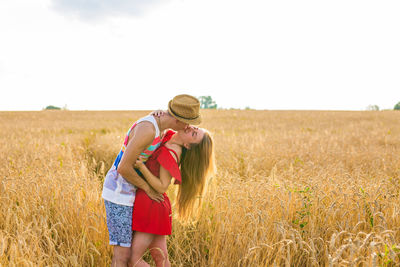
(176, 148)
(145, 126)
(144, 129)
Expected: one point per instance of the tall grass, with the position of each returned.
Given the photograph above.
(293, 188)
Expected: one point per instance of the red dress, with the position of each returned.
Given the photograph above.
(148, 215)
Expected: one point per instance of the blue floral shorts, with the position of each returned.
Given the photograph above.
(119, 224)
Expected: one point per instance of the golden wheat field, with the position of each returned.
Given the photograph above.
(293, 188)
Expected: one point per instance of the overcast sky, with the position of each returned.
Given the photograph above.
(138, 54)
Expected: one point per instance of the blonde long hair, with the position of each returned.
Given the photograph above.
(197, 164)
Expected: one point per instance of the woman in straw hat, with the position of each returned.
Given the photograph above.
(188, 157)
(122, 180)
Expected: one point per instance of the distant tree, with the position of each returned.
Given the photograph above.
(373, 107)
(207, 102)
(52, 108)
(397, 106)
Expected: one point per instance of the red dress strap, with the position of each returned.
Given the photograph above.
(169, 163)
(173, 151)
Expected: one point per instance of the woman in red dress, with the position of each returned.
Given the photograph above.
(188, 157)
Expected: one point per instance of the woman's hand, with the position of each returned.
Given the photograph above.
(158, 113)
(138, 164)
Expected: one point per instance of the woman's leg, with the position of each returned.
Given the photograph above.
(140, 243)
(159, 251)
(121, 256)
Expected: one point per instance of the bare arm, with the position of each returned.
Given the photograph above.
(140, 138)
(159, 184)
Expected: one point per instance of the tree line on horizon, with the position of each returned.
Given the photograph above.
(206, 102)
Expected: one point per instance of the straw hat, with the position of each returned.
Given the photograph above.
(185, 108)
